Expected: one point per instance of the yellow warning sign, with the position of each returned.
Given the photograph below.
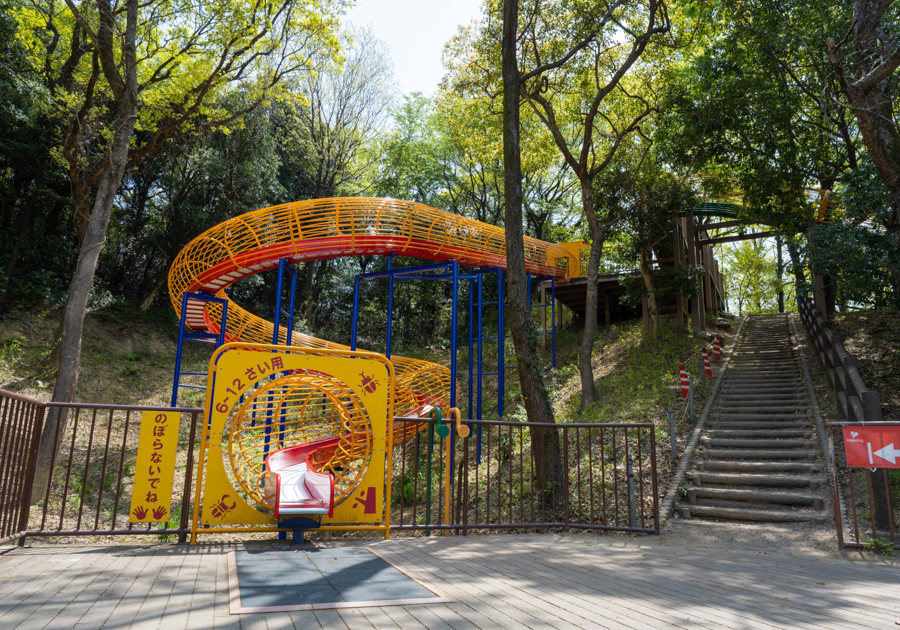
(151, 498)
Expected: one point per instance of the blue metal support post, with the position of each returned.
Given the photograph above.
(390, 315)
(553, 316)
(284, 267)
(480, 343)
(471, 333)
(355, 313)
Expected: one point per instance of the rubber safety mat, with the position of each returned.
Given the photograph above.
(280, 580)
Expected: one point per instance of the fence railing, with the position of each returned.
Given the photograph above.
(605, 479)
(869, 497)
(21, 420)
(608, 264)
(856, 403)
(91, 474)
(868, 490)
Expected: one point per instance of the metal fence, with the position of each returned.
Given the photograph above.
(610, 263)
(867, 490)
(92, 473)
(21, 420)
(869, 505)
(607, 475)
(608, 478)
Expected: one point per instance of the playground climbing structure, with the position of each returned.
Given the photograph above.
(312, 405)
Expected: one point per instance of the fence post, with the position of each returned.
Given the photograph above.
(691, 397)
(632, 516)
(672, 434)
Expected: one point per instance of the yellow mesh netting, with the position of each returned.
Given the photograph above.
(298, 409)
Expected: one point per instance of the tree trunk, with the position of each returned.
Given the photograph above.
(151, 297)
(646, 267)
(76, 304)
(544, 441)
(126, 90)
(796, 267)
(585, 351)
(830, 285)
(871, 99)
(779, 267)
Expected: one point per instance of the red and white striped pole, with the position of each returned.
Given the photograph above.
(707, 368)
(685, 383)
(717, 350)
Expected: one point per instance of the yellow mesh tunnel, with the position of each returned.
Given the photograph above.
(299, 409)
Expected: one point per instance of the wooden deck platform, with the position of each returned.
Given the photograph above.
(506, 581)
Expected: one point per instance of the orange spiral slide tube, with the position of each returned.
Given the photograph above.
(329, 228)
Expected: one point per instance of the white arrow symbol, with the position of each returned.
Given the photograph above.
(889, 453)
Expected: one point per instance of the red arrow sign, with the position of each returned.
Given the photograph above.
(872, 446)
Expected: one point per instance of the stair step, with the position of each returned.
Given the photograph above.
(761, 402)
(701, 479)
(738, 444)
(767, 411)
(733, 417)
(761, 379)
(761, 397)
(717, 425)
(725, 434)
(757, 454)
(738, 514)
(760, 371)
(760, 467)
(756, 496)
(739, 391)
(731, 381)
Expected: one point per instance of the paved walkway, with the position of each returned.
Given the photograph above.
(552, 581)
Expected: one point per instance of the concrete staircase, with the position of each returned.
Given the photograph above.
(759, 459)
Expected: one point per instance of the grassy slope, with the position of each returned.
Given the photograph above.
(127, 357)
(873, 337)
(638, 380)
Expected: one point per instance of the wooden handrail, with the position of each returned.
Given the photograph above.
(856, 403)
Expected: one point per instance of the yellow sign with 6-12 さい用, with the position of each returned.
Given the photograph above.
(236, 372)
